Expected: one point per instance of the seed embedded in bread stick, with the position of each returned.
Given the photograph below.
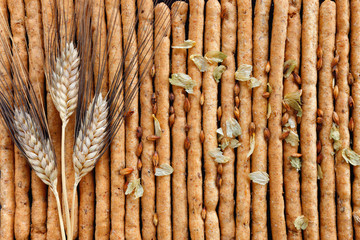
(259, 111)
(244, 56)
(327, 30)
(210, 91)
(291, 174)
(194, 180)
(275, 151)
(228, 47)
(355, 71)
(132, 206)
(343, 181)
(179, 12)
(22, 170)
(309, 191)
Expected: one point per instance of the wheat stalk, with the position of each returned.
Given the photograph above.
(64, 85)
(39, 153)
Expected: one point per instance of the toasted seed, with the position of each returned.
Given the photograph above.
(351, 124)
(218, 181)
(153, 98)
(187, 105)
(237, 89)
(267, 134)
(319, 158)
(319, 52)
(152, 138)
(335, 61)
(320, 112)
(237, 101)
(285, 119)
(139, 149)
(172, 110)
(155, 159)
(318, 147)
(187, 128)
(351, 102)
(319, 64)
(296, 155)
(297, 78)
(154, 108)
(187, 143)
(350, 79)
(318, 127)
(129, 113)
(286, 106)
(203, 213)
(155, 220)
(139, 164)
(126, 185)
(172, 119)
(298, 120)
(171, 97)
(153, 71)
(319, 120)
(252, 128)
(202, 99)
(335, 72)
(220, 169)
(219, 113)
(266, 95)
(336, 92)
(284, 135)
(237, 113)
(336, 118)
(126, 171)
(202, 136)
(267, 68)
(139, 132)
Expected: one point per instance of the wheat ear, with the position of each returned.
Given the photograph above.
(39, 153)
(64, 88)
(90, 141)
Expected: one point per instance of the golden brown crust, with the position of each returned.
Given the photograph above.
(179, 12)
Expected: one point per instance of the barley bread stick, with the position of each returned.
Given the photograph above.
(275, 151)
(244, 56)
(227, 199)
(259, 110)
(355, 70)
(210, 91)
(343, 185)
(146, 15)
(309, 200)
(327, 30)
(179, 12)
(194, 181)
(162, 69)
(102, 170)
(6, 158)
(117, 147)
(291, 175)
(132, 208)
(39, 225)
(22, 170)
(34, 31)
(228, 32)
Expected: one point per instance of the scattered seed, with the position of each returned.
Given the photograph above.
(296, 155)
(266, 95)
(220, 169)
(335, 61)
(154, 108)
(187, 143)
(320, 112)
(319, 64)
(155, 159)
(139, 149)
(126, 171)
(237, 89)
(335, 72)
(319, 120)
(218, 181)
(172, 110)
(298, 120)
(152, 138)
(139, 132)
(153, 98)
(129, 113)
(187, 128)
(267, 134)
(351, 102)
(202, 136)
(172, 119)
(171, 97)
(285, 119)
(297, 78)
(187, 105)
(336, 118)
(284, 135)
(351, 124)
(139, 164)
(318, 147)
(350, 79)
(267, 68)
(336, 92)
(126, 185)
(286, 106)
(155, 220)
(219, 113)
(237, 101)
(319, 158)
(319, 52)
(203, 213)
(252, 128)
(237, 113)
(202, 99)
(153, 71)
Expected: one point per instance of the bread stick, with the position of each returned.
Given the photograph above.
(6, 159)
(291, 175)
(195, 178)
(179, 10)
(102, 171)
(210, 91)
(344, 212)
(259, 111)
(132, 208)
(22, 170)
(355, 70)
(275, 151)
(327, 29)
(244, 56)
(309, 200)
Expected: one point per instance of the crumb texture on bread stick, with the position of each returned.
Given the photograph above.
(259, 110)
(195, 178)
(327, 30)
(275, 151)
(309, 200)
(179, 10)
